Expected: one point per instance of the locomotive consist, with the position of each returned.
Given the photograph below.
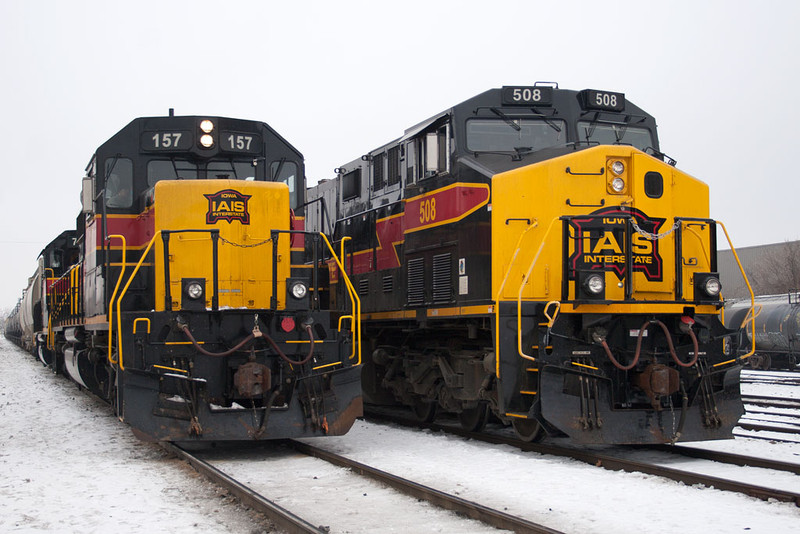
(531, 254)
(190, 296)
(777, 330)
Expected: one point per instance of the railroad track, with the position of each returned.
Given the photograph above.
(293, 523)
(616, 463)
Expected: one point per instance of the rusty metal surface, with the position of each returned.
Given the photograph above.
(470, 509)
(252, 379)
(610, 462)
(282, 517)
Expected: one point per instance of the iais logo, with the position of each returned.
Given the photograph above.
(227, 205)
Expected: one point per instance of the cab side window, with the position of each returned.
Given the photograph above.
(286, 172)
(119, 183)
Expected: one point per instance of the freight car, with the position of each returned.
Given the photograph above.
(776, 326)
(189, 295)
(530, 253)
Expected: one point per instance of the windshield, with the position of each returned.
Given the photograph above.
(177, 169)
(514, 135)
(614, 134)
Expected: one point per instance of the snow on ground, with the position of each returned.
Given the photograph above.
(68, 465)
(563, 494)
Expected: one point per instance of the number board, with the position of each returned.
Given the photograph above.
(166, 140)
(526, 96)
(602, 100)
(240, 142)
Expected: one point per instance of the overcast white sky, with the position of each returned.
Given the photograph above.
(337, 78)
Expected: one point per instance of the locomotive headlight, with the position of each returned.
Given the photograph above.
(299, 290)
(594, 284)
(207, 141)
(617, 168)
(207, 126)
(618, 184)
(712, 286)
(194, 291)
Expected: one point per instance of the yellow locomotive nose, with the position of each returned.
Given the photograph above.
(242, 215)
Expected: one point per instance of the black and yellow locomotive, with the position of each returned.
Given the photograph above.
(190, 296)
(530, 253)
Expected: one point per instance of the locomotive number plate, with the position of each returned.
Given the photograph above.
(171, 140)
(240, 142)
(526, 96)
(602, 100)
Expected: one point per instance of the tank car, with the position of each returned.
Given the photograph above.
(777, 330)
(530, 253)
(190, 296)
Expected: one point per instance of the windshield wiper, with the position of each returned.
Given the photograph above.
(508, 120)
(547, 121)
(521, 151)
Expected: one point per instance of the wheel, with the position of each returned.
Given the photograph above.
(766, 362)
(45, 356)
(424, 411)
(474, 419)
(528, 430)
(755, 361)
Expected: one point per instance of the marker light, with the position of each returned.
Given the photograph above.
(299, 290)
(194, 291)
(712, 286)
(594, 284)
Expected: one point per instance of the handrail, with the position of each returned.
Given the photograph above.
(122, 295)
(113, 295)
(351, 290)
(531, 226)
(354, 300)
(752, 301)
(341, 248)
(522, 288)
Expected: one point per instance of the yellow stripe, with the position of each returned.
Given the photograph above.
(305, 341)
(390, 315)
(586, 366)
(171, 369)
(182, 342)
(460, 310)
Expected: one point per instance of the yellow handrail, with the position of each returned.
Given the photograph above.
(533, 225)
(113, 295)
(124, 291)
(752, 301)
(353, 297)
(351, 290)
(522, 288)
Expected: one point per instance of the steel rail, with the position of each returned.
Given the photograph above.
(727, 457)
(282, 517)
(470, 509)
(613, 463)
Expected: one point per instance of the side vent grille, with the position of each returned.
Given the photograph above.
(442, 278)
(388, 284)
(363, 286)
(416, 282)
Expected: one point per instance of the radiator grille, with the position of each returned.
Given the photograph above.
(416, 282)
(388, 284)
(442, 278)
(363, 286)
